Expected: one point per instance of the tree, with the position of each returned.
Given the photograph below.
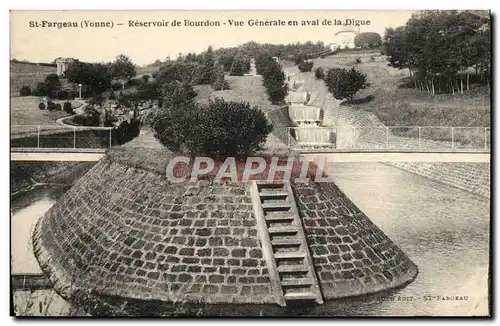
(344, 84)
(274, 78)
(218, 81)
(368, 40)
(319, 73)
(94, 77)
(49, 86)
(305, 66)
(145, 78)
(240, 66)
(219, 129)
(123, 69)
(207, 66)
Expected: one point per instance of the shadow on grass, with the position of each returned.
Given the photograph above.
(363, 100)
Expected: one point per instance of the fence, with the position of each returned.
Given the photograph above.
(397, 137)
(62, 137)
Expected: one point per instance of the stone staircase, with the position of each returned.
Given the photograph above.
(284, 245)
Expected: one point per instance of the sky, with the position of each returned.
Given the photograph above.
(144, 45)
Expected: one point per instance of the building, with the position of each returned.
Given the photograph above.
(63, 64)
(344, 39)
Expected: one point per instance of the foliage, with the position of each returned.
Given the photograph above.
(274, 78)
(218, 81)
(437, 45)
(344, 84)
(94, 77)
(305, 66)
(240, 66)
(358, 60)
(207, 67)
(188, 72)
(51, 106)
(49, 86)
(68, 108)
(149, 91)
(219, 129)
(145, 78)
(25, 91)
(319, 73)
(123, 68)
(368, 40)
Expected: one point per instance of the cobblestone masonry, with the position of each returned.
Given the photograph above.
(472, 177)
(351, 255)
(123, 231)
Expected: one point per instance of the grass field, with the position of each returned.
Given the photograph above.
(396, 106)
(25, 111)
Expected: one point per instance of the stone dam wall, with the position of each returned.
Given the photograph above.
(471, 177)
(24, 175)
(124, 235)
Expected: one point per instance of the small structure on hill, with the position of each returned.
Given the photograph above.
(297, 98)
(344, 38)
(305, 114)
(62, 64)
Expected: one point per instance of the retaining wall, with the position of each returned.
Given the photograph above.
(280, 120)
(472, 177)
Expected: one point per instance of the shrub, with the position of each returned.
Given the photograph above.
(319, 73)
(51, 106)
(218, 81)
(274, 78)
(62, 95)
(219, 129)
(368, 40)
(68, 108)
(58, 107)
(358, 60)
(344, 84)
(240, 65)
(25, 91)
(116, 86)
(111, 95)
(145, 78)
(41, 106)
(305, 66)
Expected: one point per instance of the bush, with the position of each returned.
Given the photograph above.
(116, 86)
(219, 129)
(344, 84)
(368, 40)
(25, 91)
(51, 106)
(41, 106)
(145, 78)
(319, 73)
(58, 107)
(274, 78)
(305, 66)
(358, 60)
(68, 108)
(63, 95)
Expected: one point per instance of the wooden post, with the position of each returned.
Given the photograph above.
(38, 137)
(74, 137)
(387, 137)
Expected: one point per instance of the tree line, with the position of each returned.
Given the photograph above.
(439, 48)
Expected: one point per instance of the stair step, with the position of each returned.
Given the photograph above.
(272, 194)
(297, 282)
(300, 296)
(279, 217)
(282, 229)
(292, 269)
(276, 205)
(290, 255)
(286, 242)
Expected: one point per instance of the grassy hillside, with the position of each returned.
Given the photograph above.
(27, 74)
(398, 105)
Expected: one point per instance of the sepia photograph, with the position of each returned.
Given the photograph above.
(276, 163)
